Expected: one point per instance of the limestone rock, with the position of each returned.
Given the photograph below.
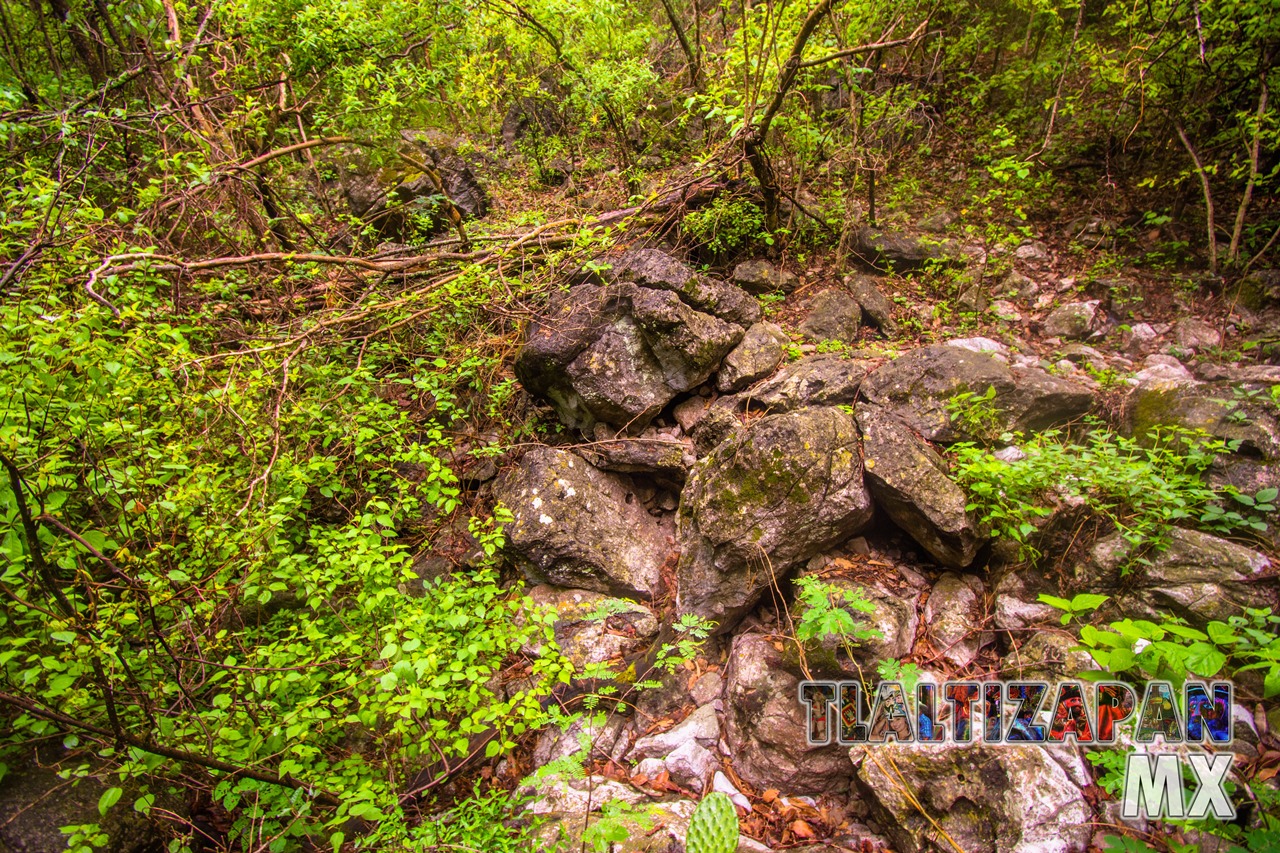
(619, 353)
(784, 489)
(575, 527)
(763, 277)
(1073, 321)
(876, 308)
(901, 251)
(655, 269)
(649, 453)
(755, 357)
(717, 425)
(1197, 335)
(702, 726)
(990, 799)
(765, 725)
(1196, 576)
(833, 316)
(828, 379)
(954, 613)
(909, 482)
(1217, 408)
(917, 387)
(593, 628)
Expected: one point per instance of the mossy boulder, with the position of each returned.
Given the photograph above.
(618, 354)
(765, 500)
(1221, 409)
(755, 357)
(909, 482)
(918, 386)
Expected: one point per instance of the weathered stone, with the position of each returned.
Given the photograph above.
(910, 483)
(1033, 251)
(876, 308)
(954, 615)
(786, 488)
(763, 277)
(1047, 655)
(653, 268)
(702, 726)
(901, 251)
(690, 764)
(893, 616)
(592, 628)
(707, 688)
(1072, 321)
(619, 353)
(979, 345)
(617, 379)
(689, 412)
(1260, 289)
(647, 454)
(765, 725)
(1196, 576)
(688, 344)
(817, 380)
(716, 426)
(1196, 335)
(1218, 409)
(755, 357)
(833, 316)
(918, 386)
(575, 526)
(989, 799)
(35, 801)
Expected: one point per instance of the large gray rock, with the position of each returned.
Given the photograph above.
(649, 453)
(1217, 408)
(765, 725)
(1072, 321)
(876, 308)
(989, 799)
(619, 353)
(918, 386)
(576, 526)
(828, 379)
(833, 316)
(655, 269)
(901, 251)
(755, 357)
(1196, 576)
(35, 801)
(763, 277)
(954, 614)
(909, 482)
(784, 489)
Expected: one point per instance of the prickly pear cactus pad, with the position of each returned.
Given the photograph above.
(714, 826)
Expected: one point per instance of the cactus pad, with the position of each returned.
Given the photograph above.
(714, 826)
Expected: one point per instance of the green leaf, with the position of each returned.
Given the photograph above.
(1205, 660)
(109, 798)
(1088, 601)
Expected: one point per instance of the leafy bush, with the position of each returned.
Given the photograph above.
(726, 226)
(1140, 489)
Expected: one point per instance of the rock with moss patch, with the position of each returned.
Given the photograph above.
(954, 614)
(909, 482)
(918, 386)
(577, 526)
(618, 354)
(763, 277)
(833, 316)
(784, 489)
(1073, 321)
(902, 251)
(828, 379)
(998, 799)
(1196, 576)
(1220, 409)
(755, 357)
